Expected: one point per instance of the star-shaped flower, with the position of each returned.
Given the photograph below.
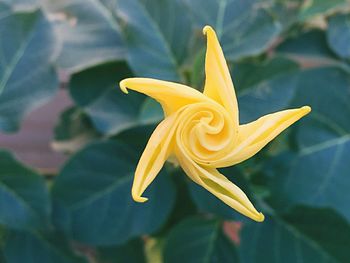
(202, 131)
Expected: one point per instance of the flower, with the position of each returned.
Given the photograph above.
(202, 131)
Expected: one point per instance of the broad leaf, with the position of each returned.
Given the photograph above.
(319, 7)
(88, 31)
(304, 235)
(338, 34)
(97, 91)
(286, 12)
(317, 174)
(250, 74)
(34, 248)
(271, 89)
(157, 36)
(22, 4)
(199, 240)
(244, 27)
(24, 199)
(27, 78)
(136, 137)
(308, 45)
(93, 196)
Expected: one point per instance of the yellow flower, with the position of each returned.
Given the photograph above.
(203, 132)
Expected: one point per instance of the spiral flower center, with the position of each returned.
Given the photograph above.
(206, 132)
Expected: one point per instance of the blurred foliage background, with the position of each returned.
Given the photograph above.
(282, 54)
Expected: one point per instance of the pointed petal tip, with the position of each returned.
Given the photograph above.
(260, 217)
(306, 109)
(123, 86)
(139, 199)
(207, 29)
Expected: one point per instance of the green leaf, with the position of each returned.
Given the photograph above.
(131, 252)
(199, 240)
(88, 31)
(271, 89)
(73, 130)
(317, 174)
(338, 34)
(318, 7)
(300, 236)
(136, 137)
(27, 78)
(157, 35)
(250, 74)
(198, 74)
(24, 199)
(244, 27)
(151, 112)
(93, 196)
(34, 248)
(286, 12)
(2, 257)
(22, 4)
(310, 45)
(97, 91)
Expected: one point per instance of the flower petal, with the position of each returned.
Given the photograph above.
(218, 83)
(218, 185)
(252, 137)
(155, 154)
(172, 96)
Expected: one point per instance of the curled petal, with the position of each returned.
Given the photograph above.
(206, 132)
(218, 185)
(218, 82)
(152, 160)
(252, 137)
(172, 96)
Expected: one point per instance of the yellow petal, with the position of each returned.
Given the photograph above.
(252, 137)
(172, 96)
(155, 154)
(218, 185)
(218, 83)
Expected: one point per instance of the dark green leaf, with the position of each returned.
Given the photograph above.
(34, 248)
(93, 196)
(27, 78)
(24, 199)
(244, 27)
(97, 91)
(338, 34)
(151, 112)
(305, 235)
(22, 4)
(199, 240)
(73, 130)
(318, 173)
(89, 32)
(2, 256)
(250, 74)
(311, 45)
(317, 7)
(197, 74)
(330, 108)
(137, 136)
(131, 252)
(157, 35)
(286, 12)
(271, 89)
